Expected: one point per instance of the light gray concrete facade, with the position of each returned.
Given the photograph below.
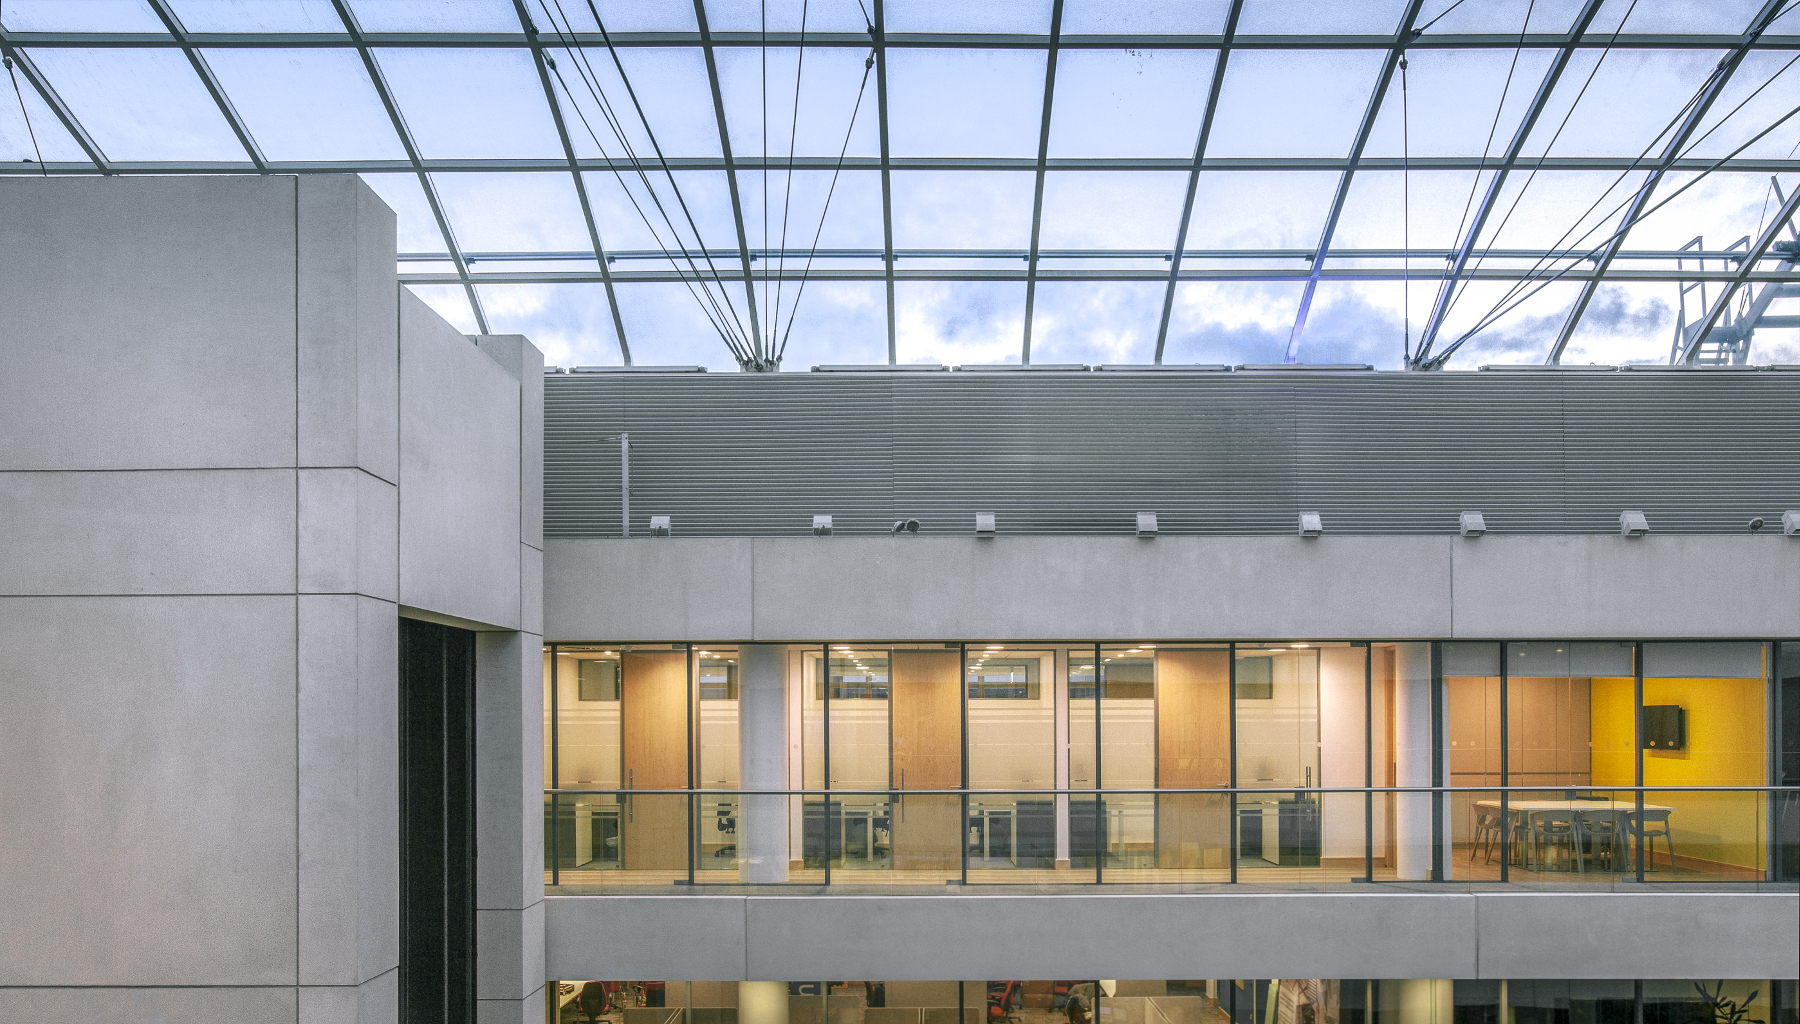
(234, 452)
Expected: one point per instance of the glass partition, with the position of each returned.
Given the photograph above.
(715, 671)
(1279, 822)
(1013, 693)
(1474, 762)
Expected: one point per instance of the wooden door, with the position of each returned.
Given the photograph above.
(926, 698)
(653, 745)
(1193, 749)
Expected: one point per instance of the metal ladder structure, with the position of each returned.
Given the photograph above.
(1728, 343)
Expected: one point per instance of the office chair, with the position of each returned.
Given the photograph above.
(727, 823)
(1002, 1003)
(592, 1002)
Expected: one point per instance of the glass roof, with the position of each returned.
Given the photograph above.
(1347, 178)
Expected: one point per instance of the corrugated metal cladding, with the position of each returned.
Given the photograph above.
(732, 455)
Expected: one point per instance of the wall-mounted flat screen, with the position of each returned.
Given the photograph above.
(598, 680)
(1256, 679)
(1665, 727)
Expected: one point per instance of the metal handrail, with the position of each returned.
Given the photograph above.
(1176, 791)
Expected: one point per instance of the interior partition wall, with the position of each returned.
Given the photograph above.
(1603, 762)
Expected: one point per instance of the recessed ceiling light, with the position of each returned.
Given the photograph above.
(1303, 645)
(996, 647)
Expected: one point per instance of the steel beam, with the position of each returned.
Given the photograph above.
(1016, 255)
(1447, 291)
(599, 254)
(925, 40)
(1037, 198)
(1157, 274)
(412, 155)
(758, 343)
(1193, 182)
(1721, 75)
(1397, 46)
(1744, 273)
(69, 122)
(879, 32)
(211, 81)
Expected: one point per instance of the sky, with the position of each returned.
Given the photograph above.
(318, 103)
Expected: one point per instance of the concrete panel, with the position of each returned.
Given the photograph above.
(500, 935)
(1582, 586)
(147, 773)
(376, 1001)
(149, 322)
(459, 474)
(349, 359)
(649, 589)
(520, 358)
(529, 1010)
(1167, 936)
(179, 1005)
(349, 533)
(509, 772)
(692, 938)
(531, 590)
(1639, 935)
(169, 532)
(349, 797)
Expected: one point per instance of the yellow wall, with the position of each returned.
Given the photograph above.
(1726, 746)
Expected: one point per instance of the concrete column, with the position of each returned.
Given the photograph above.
(1412, 759)
(762, 829)
(762, 1002)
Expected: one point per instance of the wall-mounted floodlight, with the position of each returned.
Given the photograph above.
(1756, 524)
(906, 526)
(1790, 523)
(984, 524)
(821, 526)
(661, 526)
(1632, 523)
(1146, 524)
(1471, 524)
(1311, 525)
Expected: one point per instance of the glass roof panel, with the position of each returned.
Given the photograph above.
(1721, 207)
(955, 322)
(1096, 321)
(989, 16)
(670, 84)
(1129, 103)
(140, 104)
(623, 227)
(853, 220)
(1726, 17)
(1260, 209)
(1559, 209)
(1231, 321)
(837, 322)
(16, 136)
(666, 327)
(1112, 209)
(1383, 208)
(1292, 103)
(620, 15)
(1634, 97)
(1737, 115)
(929, 113)
(1526, 321)
(963, 209)
(1447, 17)
(1360, 322)
(88, 16)
(1451, 103)
(830, 81)
(257, 15)
(435, 15)
(1295, 17)
(513, 212)
(1146, 17)
(450, 302)
(471, 104)
(749, 15)
(570, 323)
(416, 228)
(307, 104)
(1632, 323)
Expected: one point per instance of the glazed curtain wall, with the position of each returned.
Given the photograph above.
(1545, 762)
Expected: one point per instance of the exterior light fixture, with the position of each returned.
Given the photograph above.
(1790, 523)
(1632, 523)
(984, 524)
(1756, 524)
(661, 526)
(906, 526)
(1146, 524)
(821, 526)
(1311, 525)
(1471, 524)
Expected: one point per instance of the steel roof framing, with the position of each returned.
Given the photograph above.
(1094, 274)
(69, 122)
(1193, 182)
(758, 342)
(1447, 291)
(879, 32)
(1396, 48)
(211, 82)
(1635, 209)
(599, 255)
(1037, 196)
(412, 154)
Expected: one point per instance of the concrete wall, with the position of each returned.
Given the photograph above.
(1103, 588)
(1308, 935)
(225, 461)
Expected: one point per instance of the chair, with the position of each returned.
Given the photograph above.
(1487, 833)
(1002, 999)
(1597, 829)
(1649, 826)
(1554, 829)
(727, 823)
(593, 1002)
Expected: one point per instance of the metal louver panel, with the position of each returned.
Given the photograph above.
(1241, 453)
